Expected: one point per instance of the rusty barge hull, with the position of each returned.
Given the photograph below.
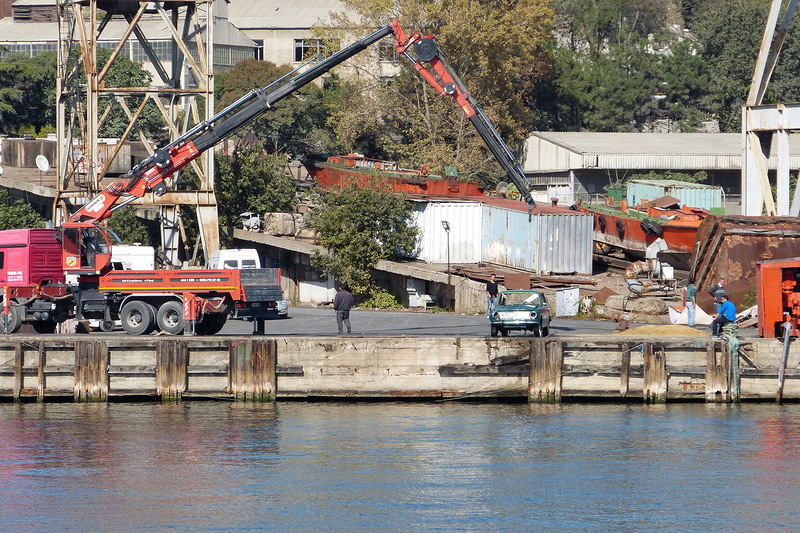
(730, 246)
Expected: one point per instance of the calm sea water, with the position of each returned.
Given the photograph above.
(217, 466)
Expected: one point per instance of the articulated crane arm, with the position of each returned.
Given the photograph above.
(449, 84)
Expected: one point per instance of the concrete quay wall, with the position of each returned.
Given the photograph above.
(99, 368)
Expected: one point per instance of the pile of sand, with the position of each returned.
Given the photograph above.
(667, 330)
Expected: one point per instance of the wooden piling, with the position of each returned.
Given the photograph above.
(172, 358)
(624, 370)
(251, 370)
(544, 381)
(717, 385)
(41, 379)
(91, 371)
(655, 374)
(19, 356)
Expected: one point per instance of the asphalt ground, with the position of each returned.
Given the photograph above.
(304, 321)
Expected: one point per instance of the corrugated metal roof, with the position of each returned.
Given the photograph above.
(674, 183)
(25, 3)
(563, 151)
(281, 14)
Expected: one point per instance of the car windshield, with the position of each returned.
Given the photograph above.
(519, 298)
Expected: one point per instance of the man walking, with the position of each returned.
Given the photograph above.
(727, 314)
(691, 303)
(342, 303)
(491, 294)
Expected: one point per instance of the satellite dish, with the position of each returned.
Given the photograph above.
(42, 163)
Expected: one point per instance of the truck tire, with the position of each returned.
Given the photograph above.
(137, 317)
(14, 319)
(44, 326)
(170, 317)
(211, 324)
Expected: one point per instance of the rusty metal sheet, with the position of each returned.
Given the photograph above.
(730, 246)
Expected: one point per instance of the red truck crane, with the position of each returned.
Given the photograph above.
(170, 299)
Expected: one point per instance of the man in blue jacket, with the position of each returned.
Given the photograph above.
(727, 314)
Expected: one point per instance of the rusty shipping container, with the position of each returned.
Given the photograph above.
(730, 247)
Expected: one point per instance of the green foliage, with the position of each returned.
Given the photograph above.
(359, 227)
(27, 92)
(296, 125)
(18, 214)
(131, 229)
(251, 180)
(127, 73)
(697, 177)
(380, 299)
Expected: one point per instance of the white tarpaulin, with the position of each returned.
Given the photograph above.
(677, 315)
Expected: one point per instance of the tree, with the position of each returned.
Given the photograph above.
(359, 226)
(131, 229)
(295, 124)
(497, 48)
(18, 214)
(27, 92)
(251, 180)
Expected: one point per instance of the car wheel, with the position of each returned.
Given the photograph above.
(546, 331)
(137, 317)
(170, 317)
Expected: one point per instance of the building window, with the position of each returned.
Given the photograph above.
(305, 49)
(258, 51)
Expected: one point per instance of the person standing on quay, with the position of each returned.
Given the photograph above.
(717, 291)
(342, 303)
(691, 302)
(491, 294)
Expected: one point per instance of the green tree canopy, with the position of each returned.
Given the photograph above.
(131, 229)
(251, 180)
(18, 214)
(296, 125)
(359, 226)
(27, 92)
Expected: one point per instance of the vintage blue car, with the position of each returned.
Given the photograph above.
(525, 310)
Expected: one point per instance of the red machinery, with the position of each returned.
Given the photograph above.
(778, 296)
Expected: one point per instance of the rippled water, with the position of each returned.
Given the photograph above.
(216, 466)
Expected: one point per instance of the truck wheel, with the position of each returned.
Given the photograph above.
(546, 331)
(170, 317)
(106, 325)
(14, 319)
(494, 331)
(211, 324)
(504, 332)
(44, 326)
(137, 317)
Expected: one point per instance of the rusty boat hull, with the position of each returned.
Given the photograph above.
(356, 170)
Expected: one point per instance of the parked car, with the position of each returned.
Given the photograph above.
(283, 309)
(525, 310)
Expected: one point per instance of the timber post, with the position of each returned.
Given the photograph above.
(19, 356)
(172, 357)
(544, 380)
(717, 385)
(252, 370)
(41, 379)
(655, 374)
(91, 371)
(624, 370)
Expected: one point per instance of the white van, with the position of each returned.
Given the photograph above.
(237, 258)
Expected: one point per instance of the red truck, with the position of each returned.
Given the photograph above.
(171, 299)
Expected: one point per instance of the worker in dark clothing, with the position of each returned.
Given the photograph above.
(717, 291)
(491, 294)
(727, 314)
(342, 303)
